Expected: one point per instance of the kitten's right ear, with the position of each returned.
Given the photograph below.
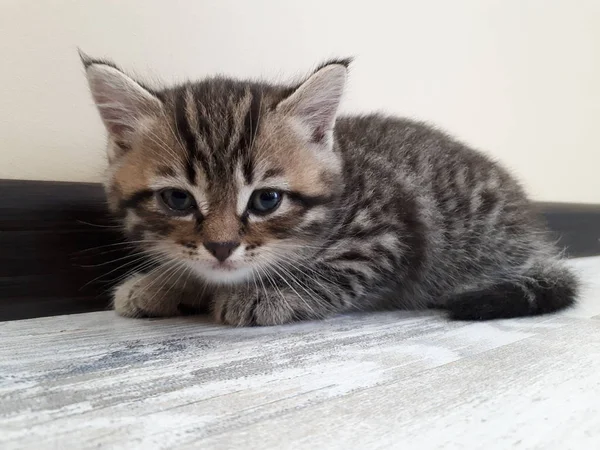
(314, 104)
(121, 101)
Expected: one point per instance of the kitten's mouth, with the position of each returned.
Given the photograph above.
(225, 266)
(223, 272)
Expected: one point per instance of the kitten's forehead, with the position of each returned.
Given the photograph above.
(221, 138)
(217, 122)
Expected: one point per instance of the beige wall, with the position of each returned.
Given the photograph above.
(517, 78)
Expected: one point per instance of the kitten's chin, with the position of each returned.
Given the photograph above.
(220, 275)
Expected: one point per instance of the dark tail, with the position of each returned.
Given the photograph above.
(538, 292)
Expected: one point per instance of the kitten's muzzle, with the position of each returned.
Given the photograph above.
(221, 250)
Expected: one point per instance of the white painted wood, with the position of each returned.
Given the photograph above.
(386, 380)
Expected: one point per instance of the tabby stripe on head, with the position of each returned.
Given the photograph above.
(166, 171)
(230, 133)
(272, 173)
(308, 201)
(204, 131)
(204, 127)
(183, 127)
(251, 124)
(136, 198)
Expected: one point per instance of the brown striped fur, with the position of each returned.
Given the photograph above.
(377, 212)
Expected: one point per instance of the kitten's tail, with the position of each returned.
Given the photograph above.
(545, 288)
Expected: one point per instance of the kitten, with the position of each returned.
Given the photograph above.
(257, 201)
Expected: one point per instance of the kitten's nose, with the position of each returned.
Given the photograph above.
(221, 250)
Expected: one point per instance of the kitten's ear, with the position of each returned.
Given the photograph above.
(315, 103)
(121, 101)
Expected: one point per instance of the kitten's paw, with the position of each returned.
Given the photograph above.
(124, 297)
(251, 308)
(136, 298)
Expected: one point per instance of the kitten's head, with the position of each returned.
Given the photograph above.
(229, 177)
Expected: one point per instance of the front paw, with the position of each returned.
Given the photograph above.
(136, 297)
(245, 307)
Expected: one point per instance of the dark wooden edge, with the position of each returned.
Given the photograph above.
(61, 253)
(575, 226)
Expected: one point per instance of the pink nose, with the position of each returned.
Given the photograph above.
(221, 250)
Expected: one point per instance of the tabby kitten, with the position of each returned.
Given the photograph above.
(257, 201)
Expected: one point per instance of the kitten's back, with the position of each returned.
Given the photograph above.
(473, 223)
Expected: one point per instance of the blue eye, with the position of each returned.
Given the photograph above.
(177, 201)
(264, 201)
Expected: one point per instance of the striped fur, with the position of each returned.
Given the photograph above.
(378, 212)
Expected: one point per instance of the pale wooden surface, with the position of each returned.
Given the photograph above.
(388, 380)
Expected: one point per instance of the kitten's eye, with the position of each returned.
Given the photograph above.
(264, 201)
(177, 201)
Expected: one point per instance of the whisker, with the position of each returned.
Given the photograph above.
(112, 261)
(179, 267)
(169, 268)
(289, 260)
(98, 225)
(186, 269)
(135, 270)
(117, 244)
(294, 290)
(159, 142)
(148, 253)
(312, 295)
(175, 135)
(276, 289)
(128, 263)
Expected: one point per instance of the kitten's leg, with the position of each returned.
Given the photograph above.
(248, 306)
(277, 300)
(150, 295)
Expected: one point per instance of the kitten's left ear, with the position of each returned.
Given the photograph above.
(121, 101)
(314, 105)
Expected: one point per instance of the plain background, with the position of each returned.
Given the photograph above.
(519, 79)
